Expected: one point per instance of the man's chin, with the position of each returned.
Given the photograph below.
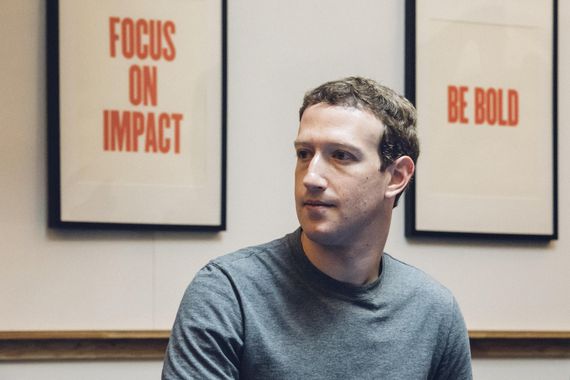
(320, 235)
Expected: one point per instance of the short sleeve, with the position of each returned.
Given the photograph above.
(456, 360)
(207, 336)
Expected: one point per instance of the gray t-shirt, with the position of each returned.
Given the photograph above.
(267, 312)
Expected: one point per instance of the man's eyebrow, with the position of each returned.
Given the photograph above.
(300, 143)
(297, 143)
(336, 145)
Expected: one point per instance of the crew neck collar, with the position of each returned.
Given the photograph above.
(316, 278)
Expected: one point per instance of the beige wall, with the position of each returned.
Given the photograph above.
(52, 280)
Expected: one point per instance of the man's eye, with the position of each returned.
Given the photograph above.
(342, 155)
(302, 154)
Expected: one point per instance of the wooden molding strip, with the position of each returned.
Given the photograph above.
(82, 345)
(520, 344)
(151, 344)
(87, 334)
(494, 334)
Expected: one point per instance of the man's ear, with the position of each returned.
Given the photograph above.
(401, 172)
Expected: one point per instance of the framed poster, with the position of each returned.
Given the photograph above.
(137, 113)
(482, 75)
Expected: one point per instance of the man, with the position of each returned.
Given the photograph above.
(325, 302)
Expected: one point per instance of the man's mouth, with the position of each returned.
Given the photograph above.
(312, 203)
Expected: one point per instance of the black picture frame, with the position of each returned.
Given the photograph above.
(433, 211)
(183, 185)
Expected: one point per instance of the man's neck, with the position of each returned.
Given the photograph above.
(356, 264)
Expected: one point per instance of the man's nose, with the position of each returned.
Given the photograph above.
(315, 178)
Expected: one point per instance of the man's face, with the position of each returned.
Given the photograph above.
(339, 188)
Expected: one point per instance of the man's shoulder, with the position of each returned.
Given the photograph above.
(415, 282)
(248, 258)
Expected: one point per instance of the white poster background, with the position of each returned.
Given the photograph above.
(140, 187)
(483, 178)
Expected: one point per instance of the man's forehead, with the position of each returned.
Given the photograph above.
(327, 109)
(350, 131)
(339, 120)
